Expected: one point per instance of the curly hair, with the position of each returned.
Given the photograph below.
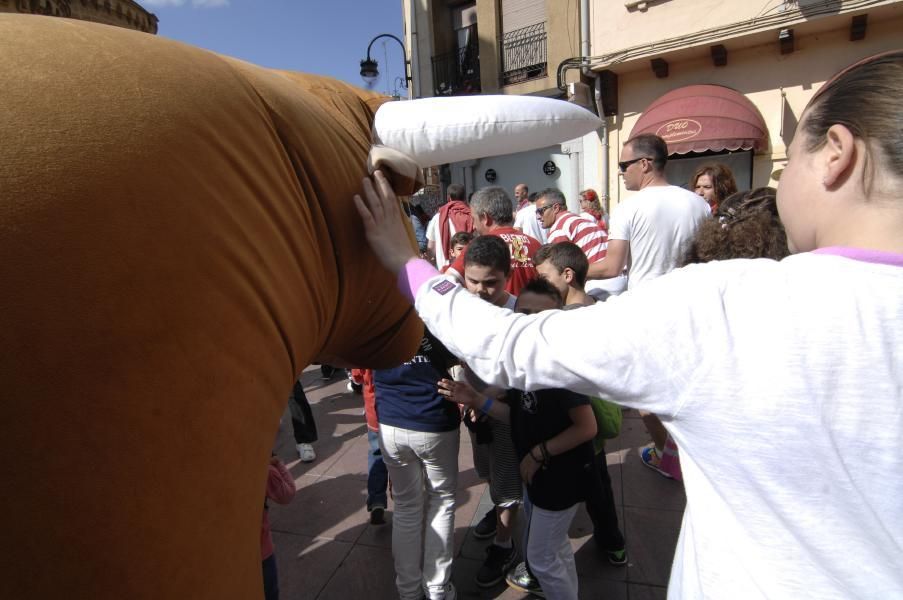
(745, 226)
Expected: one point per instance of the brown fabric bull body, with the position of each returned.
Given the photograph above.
(177, 241)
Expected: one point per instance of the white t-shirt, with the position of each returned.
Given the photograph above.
(659, 223)
(432, 235)
(525, 220)
(783, 389)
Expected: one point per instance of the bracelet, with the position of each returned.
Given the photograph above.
(538, 460)
(545, 453)
(486, 406)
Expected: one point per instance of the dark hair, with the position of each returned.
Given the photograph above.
(541, 287)
(554, 196)
(489, 251)
(564, 255)
(533, 197)
(542, 254)
(652, 147)
(495, 202)
(745, 226)
(864, 98)
(456, 191)
(722, 177)
(462, 237)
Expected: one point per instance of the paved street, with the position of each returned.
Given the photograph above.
(326, 548)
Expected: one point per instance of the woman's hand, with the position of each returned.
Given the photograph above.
(386, 231)
(460, 392)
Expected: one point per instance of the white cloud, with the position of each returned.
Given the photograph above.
(194, 3)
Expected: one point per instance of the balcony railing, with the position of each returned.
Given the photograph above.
(523, 54)
(457, 73)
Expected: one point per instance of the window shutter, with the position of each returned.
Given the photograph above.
(517, 14)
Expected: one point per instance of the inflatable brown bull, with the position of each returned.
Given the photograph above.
(178, 241)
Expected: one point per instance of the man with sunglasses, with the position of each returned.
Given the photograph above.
(650, 230)
(650, 234)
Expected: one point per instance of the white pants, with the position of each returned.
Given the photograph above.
(423, 468)
(549, 551)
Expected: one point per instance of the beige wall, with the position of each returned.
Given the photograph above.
(761, 73)
(667, 25)
(418, 38)
(563, 41)
(488, 27)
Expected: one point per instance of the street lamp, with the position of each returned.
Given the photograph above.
(370, 68)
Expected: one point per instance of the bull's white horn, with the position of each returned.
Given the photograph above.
(435, 131)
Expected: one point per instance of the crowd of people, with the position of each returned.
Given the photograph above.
(541, 450)
(737, 361)
(770, 359)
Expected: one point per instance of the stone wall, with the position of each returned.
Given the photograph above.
(121, 13)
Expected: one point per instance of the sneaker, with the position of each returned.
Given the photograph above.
(450, 593)
(378, 515)
(498, 561)
(617, 557)
(485, 529)
(521, 579)
(306, 453)
(354, 388)
(649, 456)
(327, 372)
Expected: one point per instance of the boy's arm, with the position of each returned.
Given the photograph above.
(280, 483)
(582, 429)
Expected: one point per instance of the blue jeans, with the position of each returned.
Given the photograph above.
(377, 475)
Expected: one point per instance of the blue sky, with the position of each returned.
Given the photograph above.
(327, 37)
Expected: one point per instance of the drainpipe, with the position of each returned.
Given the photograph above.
(603, 134)
(411, 16)
(603, 131)
(584, 33)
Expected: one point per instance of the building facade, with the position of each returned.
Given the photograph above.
(499, 47)
(675, 67)
(121, 13)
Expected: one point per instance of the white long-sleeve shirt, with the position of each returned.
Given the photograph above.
(781, 383)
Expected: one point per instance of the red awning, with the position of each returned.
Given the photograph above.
(697, 118)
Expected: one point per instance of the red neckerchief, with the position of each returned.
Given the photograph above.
(458, 213)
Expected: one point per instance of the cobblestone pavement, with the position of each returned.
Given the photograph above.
(326, 548)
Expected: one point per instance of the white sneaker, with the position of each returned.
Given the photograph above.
(306, 453)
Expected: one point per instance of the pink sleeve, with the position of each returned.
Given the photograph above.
(415, 272)
(280, 484)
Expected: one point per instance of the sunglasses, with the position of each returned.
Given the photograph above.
(622, 166)
(539, 211)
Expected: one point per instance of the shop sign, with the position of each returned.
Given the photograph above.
(679, 130)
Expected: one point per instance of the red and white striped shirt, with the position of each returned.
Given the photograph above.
(587, 234)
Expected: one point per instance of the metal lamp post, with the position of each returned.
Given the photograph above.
(370, 68)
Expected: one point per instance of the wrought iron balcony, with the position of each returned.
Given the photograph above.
(457, 73)
(522, 54)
